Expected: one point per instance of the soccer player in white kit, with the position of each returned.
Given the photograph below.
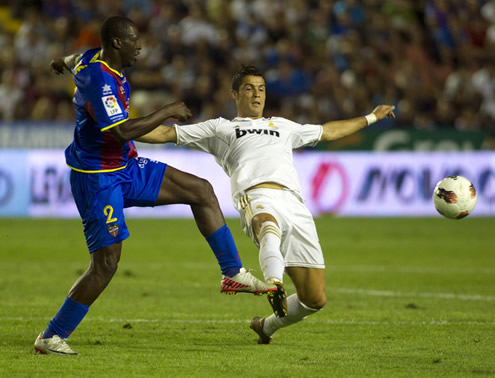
(256, 153)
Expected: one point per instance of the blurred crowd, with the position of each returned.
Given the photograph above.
(322, 59)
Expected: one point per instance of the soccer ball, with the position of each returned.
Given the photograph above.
(454, 197)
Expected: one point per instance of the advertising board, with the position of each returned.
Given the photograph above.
(35, 183)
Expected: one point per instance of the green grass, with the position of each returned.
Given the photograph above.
(406, 298)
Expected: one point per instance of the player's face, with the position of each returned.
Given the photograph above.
(250, 99)
(130, 47)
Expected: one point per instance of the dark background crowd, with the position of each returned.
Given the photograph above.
(322, 59)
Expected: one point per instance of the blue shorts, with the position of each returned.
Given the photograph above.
(102, 197)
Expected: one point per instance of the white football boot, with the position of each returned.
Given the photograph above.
(53, 345)
(245, 282)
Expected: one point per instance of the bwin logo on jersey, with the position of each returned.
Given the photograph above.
(240, 133)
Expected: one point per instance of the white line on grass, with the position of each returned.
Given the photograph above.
(407, 269)
(236, 321)
(329, 321)
(332, 268)
(389, 293)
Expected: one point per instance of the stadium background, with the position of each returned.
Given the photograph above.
(407, 297)
(323, 60)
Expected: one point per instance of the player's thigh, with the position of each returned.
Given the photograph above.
(310, 285)
(258, 220)
(181, 187)
(100, 202)
(141, 181)
(300, 246)
(105, 224)
(255, 208)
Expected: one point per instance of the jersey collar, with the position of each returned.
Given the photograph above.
(248, 119)
(110, 68)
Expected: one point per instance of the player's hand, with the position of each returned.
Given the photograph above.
(179, 111)
(57, 66)
(382, 111)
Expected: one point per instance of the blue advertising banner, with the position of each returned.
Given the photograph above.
(14, 183)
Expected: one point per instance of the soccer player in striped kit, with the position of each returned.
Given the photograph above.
(107, 175)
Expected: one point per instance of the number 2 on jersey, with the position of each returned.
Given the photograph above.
(108, 211)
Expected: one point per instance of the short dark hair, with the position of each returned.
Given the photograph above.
(242, 72)
(114, 27)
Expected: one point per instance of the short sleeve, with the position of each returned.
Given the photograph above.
(305, 135)
(199, 136)
(106, 103)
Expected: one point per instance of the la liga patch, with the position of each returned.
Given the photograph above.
(111, 105)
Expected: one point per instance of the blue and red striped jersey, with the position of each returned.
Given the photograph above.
(102, 102)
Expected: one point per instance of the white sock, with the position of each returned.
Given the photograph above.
(296, 311)
(271, 260)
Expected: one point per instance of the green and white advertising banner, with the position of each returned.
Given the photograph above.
(410, 140)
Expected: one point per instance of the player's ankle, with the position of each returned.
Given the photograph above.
(231, 272)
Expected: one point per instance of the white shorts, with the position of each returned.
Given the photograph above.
(300, 246)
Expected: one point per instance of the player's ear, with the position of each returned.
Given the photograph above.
(116, 43)
(233, 93)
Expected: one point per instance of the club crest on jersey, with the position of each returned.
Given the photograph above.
(113, 229)
(107, 89)
(239, 133)
(142, 161)
(111, 105)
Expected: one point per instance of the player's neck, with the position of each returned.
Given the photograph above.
(113, 60)
(239, 115)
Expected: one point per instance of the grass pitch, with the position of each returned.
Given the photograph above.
(406, 298)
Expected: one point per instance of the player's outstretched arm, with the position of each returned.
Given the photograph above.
(139, 127)
(67, 62)
(162, 134)
(338, 129)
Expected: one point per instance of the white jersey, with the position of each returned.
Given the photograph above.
(252, 151)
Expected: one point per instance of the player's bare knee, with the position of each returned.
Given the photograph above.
(321, 302)
(206, 193)
(316, 302)
(104, 270)
(111, 265)
(258, 221)
(105, 265)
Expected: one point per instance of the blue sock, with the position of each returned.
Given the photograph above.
(67, 319)
(223, 246)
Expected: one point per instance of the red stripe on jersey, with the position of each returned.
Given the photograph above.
(111, 152)
(104, 68)
(111, 149)
(132, 152)
(90, 110)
